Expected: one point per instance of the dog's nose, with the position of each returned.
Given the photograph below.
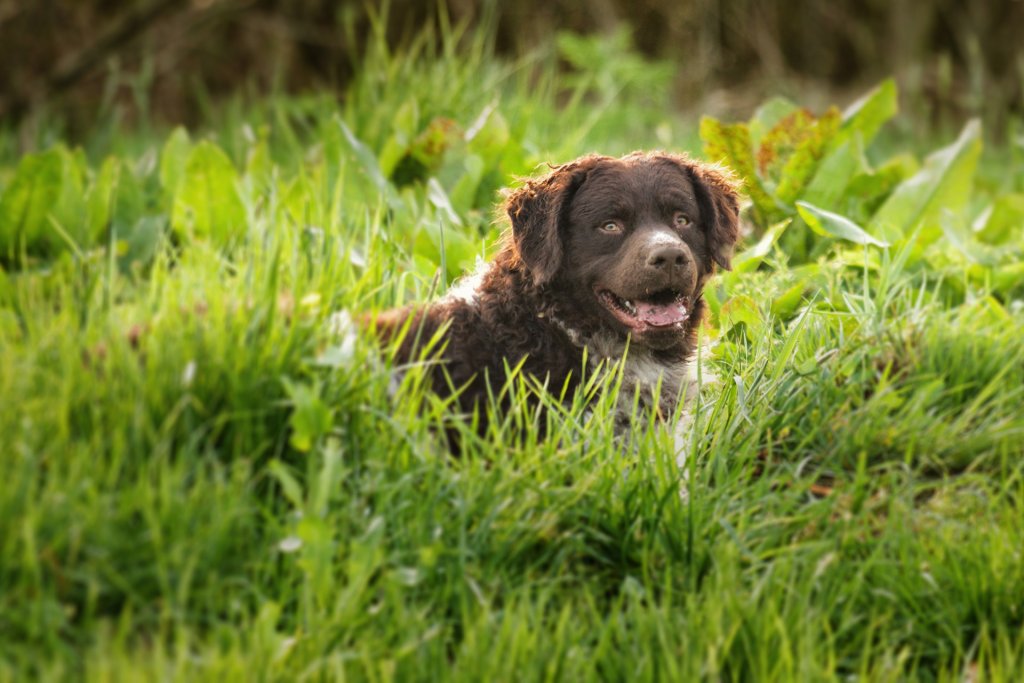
(666, 256)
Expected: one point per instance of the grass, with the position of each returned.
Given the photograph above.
(204, 483)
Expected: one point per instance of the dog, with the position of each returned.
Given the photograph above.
(604, 254)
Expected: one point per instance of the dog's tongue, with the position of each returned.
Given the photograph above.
(661, 315)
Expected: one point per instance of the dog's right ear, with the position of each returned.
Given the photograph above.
(538, 210)
(718, 194)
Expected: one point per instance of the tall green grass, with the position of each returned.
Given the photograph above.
(204, 481)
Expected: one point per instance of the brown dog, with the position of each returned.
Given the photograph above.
(602, 252)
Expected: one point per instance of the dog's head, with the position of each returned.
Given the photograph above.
(629, 241)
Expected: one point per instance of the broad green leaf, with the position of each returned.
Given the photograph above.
(128, 201)
(173, 158)
(406, 121)
(459, 250)
(100, 197)
(834, 174)
(868, 190)
(730, 145)
(942, 184)
(404, 125)
(489, 134)
(713, 297)
(439, 198)
(849, 255)
(749, 259)
(801, 164)
(290, 486)
(471, 172)
(1008, 280)
(259, 166)
(139, 243)
(867, 115)
(963, 241)
(299, 202)
(45, 187)
(986, 311)
(311, 417)
(741, 309)
(207, 203)
(27, 201)
(785, 304)
(367, 161)
(425, 155)
(391, 154)
(115, 198)
(830, 224)
(767, 117)
(1003, 221)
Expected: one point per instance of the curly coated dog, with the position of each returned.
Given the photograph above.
(604, 254)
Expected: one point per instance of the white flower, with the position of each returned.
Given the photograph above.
(188, 374)
(289, 544)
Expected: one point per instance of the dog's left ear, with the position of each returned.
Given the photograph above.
(537, 211)
(718, 199)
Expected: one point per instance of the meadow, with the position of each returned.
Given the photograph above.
(204, 481)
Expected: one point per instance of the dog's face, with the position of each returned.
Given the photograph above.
(629, 241)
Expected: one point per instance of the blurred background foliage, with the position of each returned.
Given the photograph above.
(169, 61)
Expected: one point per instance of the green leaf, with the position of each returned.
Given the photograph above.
(730, 145)
(810, 145)
(6, 289)
(100, 197)
(749, 259)
(290, 486)
(741, 309)
(713, 297)
(367, 161)
(298, 198)
(45, 187)
(1008, 280)
(986, 311)
(207, 203)
(311, 417)
(767, 117)
(830, 224)
(259, 166)
(489, 134)
(140, 241)
(834, 174)
(963, 241)
(470, 171)
(1003, 221)
(868, 190)
(404, 125)
(115, 198)
(785, 304)
(439, 198)
(173, 158)
(425, 155)
(942, 184)
(867, 115)
(459, 250)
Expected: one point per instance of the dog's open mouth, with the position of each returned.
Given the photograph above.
(662, 310)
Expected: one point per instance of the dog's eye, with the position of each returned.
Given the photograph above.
(611, 227)
(681, 219)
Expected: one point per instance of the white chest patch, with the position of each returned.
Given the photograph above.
(660, 384)
(665, 385)
(466, 288)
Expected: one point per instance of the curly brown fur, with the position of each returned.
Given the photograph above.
(602, 252)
